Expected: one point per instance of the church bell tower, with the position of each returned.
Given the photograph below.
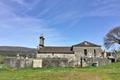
(41, 42)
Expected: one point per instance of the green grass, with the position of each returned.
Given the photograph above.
(109, 72)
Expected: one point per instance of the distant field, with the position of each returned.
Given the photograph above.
(109, 72)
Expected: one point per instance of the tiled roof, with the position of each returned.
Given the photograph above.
(61, 50)
(86, 44)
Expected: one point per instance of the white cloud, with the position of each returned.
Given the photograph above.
(27, 5)
(6, 11)
(28, 30)
(19, 1)
(105, 8)
(14, 27)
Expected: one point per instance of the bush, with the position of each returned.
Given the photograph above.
(5, 67)
(118, 59)
(2, 59)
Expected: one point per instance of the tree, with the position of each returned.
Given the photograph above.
(112, 37)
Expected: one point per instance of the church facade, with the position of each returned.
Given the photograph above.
(81, 54)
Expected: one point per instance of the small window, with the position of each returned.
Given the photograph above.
(102, 55)
(85, 52)
(52, 54)
(94, 53)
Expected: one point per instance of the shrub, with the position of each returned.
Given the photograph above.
(2, 59)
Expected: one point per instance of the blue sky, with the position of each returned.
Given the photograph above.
(63, 22)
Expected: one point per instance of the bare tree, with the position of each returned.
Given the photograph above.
(112, 37)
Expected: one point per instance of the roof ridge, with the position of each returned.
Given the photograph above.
(87, 43)
(58, 46)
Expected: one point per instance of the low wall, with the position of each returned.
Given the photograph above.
(55, 62)
(96, 61)
(18, 63)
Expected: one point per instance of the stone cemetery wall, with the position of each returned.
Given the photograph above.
(18, 63)
(55, 62)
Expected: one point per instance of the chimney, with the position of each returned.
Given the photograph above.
(41, 44)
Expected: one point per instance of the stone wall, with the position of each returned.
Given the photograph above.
(90, 50)
(18, 63)
(55, 62)
(37, 63)
(56, 55)
(79, 52)
(95, 61)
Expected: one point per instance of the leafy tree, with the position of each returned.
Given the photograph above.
(112, 37)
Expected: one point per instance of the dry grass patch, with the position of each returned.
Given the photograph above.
(68, 76)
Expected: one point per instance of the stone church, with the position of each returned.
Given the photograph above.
(78, 55)
(82, 54)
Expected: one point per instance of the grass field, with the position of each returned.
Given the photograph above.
(109, 72)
